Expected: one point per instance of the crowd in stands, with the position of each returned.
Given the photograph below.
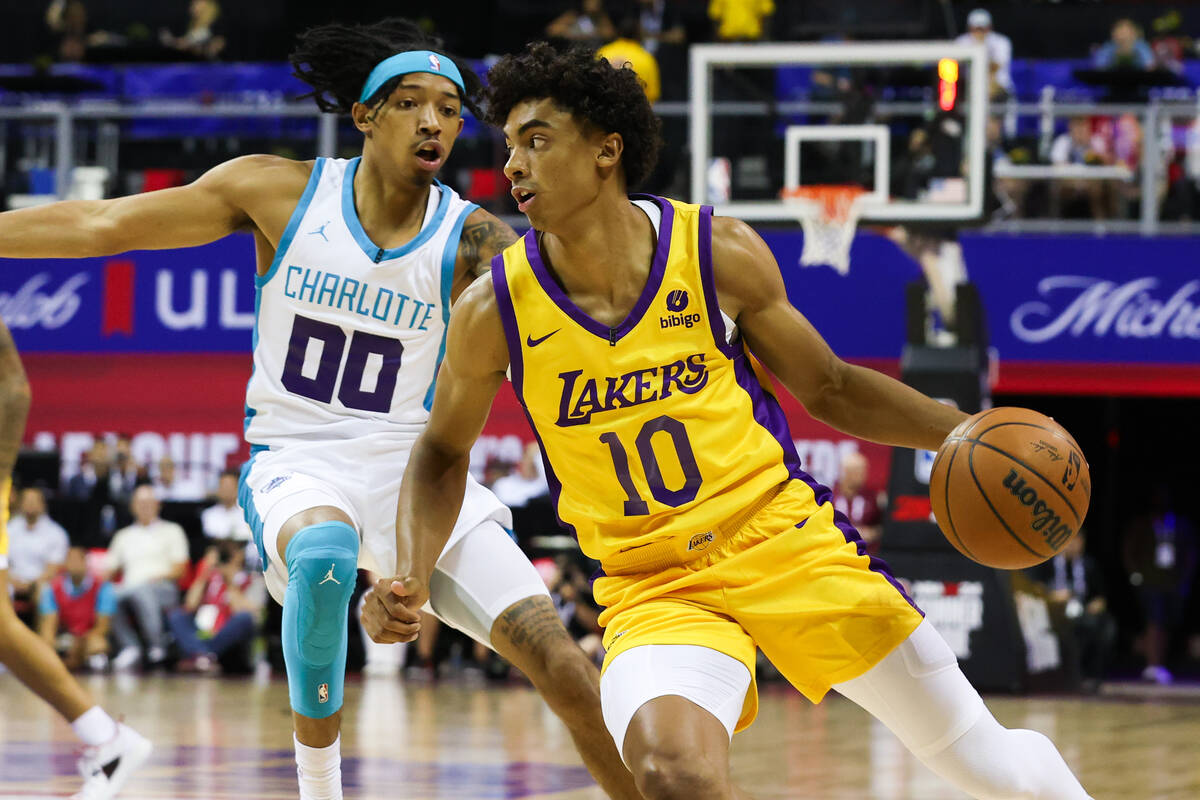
(186, 593)
(1123, 63)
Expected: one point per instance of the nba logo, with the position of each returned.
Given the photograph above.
(1071, 473)
(677, 300)
(323, 693)
(435, 62)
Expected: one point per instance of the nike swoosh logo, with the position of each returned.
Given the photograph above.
(532, 342)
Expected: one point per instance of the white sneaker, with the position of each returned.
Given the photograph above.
(106, 768)
(98, 662)
(156, 655)
(128, 657)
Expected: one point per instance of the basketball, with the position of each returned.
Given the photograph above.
(1009, 488)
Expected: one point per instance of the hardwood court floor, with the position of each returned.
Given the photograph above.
(230, 738)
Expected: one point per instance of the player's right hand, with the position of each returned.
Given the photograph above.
(390, 611)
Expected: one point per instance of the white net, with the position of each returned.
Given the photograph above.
(829, 216)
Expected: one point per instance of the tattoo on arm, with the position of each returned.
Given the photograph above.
(481, 241)
(14, 402)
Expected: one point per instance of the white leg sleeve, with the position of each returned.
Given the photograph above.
(478, 577)
(921, 695)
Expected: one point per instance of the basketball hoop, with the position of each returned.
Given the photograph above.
(829, 215)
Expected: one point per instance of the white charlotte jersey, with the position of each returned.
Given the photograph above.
(348, 336)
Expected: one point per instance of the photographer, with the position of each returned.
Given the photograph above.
(219, 612)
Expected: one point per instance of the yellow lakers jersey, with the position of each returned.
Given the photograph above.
(657, 428)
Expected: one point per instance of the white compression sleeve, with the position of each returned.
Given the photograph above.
(921, 695)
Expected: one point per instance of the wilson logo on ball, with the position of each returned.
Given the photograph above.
(1045, 519)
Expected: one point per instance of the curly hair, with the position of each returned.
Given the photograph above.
(588, 87)
(335, 60)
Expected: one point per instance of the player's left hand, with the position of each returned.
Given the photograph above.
(390, 611)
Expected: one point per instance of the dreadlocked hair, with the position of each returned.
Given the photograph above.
(336, 59)
(589, 88)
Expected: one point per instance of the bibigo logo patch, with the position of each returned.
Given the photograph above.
(677, 301)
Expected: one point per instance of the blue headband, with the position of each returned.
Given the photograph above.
(411, 61)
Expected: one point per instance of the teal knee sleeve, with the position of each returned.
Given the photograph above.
(322, 562)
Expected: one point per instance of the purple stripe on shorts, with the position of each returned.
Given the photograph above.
(769, 414)
(824, 495)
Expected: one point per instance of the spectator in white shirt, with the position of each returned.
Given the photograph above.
(1081, 145)
(151, 555)
(225, 519)
(171, 487)
(524, 483)
(999, 51)
(37, 548)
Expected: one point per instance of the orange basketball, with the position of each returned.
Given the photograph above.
(1009, 488)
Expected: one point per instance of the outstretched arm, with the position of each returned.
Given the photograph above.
(240, 193)
(855, 400)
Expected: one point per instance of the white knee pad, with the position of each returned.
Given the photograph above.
(919, 693)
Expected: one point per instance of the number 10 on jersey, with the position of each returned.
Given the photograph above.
(635, 505)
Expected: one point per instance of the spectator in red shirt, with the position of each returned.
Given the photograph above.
(75, 613)
(219, 611)
(852, 498)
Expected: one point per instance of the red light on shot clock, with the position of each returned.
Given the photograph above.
(947, 83)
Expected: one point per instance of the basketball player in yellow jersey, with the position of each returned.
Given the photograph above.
(112, 750)
(630, 328)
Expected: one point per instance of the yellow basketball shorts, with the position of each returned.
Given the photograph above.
(793, 581)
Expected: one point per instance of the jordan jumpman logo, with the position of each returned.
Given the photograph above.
(320, 231)
(329, 577)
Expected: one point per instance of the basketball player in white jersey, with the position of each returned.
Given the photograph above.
(358, 263)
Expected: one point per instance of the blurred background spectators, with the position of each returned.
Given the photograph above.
(999, 49)
(76, 612)
(215, 626)
(37, 548)
(1075, 581)
(151, 556)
